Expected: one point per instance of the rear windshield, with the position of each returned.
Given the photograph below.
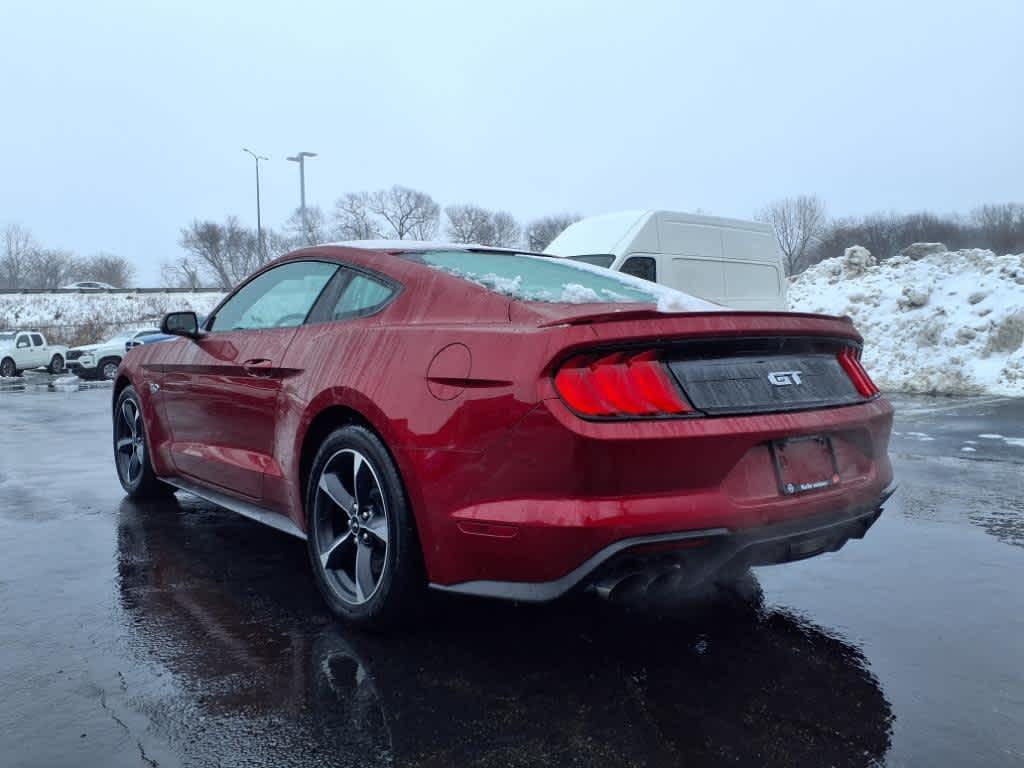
(598, 259)
(554, 280)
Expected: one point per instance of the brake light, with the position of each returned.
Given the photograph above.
(850, 361)
(621, 384)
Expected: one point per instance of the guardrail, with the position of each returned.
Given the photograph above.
(62, 331)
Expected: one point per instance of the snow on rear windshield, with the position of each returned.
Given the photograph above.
(546, 279)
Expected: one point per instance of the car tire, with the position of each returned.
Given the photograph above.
(361, 535)
(56, 365)
(106, 369)
(131, 450)
(8, 368)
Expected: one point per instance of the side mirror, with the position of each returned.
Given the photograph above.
(181, 324)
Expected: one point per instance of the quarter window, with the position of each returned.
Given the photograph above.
(279, 298)
(361, 296)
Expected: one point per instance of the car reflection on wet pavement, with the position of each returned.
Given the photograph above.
(179, 634)
(478, 682)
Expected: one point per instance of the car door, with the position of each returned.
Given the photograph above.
(23, 351)
(353, 296)
(219, 393)
(40, 352)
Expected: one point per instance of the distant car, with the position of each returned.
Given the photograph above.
(100, 361)
(88, 285)
(505, 424)
(153, 338)
(24, 350)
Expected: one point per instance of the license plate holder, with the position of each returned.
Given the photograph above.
(804, 464)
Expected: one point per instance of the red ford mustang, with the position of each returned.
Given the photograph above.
(505, 424)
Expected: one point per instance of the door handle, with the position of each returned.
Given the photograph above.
(258, 366)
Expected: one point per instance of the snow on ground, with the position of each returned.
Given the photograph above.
(945, 323)
(65, 309)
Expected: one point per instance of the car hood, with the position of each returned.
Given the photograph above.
(91, 348)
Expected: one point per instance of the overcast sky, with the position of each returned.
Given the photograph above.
(122, 121)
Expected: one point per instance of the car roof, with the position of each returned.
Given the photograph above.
(407, 246)
(369, 253)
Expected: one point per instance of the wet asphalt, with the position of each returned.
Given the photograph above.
(179, 634)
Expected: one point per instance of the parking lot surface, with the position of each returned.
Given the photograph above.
(179, 634)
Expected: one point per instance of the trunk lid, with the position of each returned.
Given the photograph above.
(726, 362)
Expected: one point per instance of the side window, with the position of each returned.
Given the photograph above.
(37, 340)
(644, 267)
(279, 298)
(23, 342)
(361, 296)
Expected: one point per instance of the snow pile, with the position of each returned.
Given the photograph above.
(67, 309)
(948, 322)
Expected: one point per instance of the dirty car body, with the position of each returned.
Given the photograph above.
(545, 440)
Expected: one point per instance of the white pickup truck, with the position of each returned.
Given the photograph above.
(24, 350)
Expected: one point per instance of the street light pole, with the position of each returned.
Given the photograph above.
(300, 158)
(259, 215)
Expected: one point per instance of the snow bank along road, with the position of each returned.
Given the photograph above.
(73, 308)
(179, 634)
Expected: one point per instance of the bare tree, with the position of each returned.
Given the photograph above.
(352, 218)
(18, 249)
(308, 228)
(540, 232)
(228, 252)
(50, 268)
(182, 273)
(506, 232)
(473, 224)
(799, 222)
(276, 244)
(105, 268)
(407, 213)
(469, 224)
(1001, 227)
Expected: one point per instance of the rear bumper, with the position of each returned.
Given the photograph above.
(671, 563)
(557, 490)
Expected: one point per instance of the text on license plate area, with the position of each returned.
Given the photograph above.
(804, 464)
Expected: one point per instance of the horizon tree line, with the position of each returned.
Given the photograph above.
(221, 254)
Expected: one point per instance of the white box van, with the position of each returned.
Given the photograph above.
(728, 261)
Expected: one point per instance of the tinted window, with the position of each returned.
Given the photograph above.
(644, 267)
(361, 296)
(22, 342)
(279, 298)
(598, 260)
(37, 340)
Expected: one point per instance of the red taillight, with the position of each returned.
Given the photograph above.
(851, 364)
(621, 384)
